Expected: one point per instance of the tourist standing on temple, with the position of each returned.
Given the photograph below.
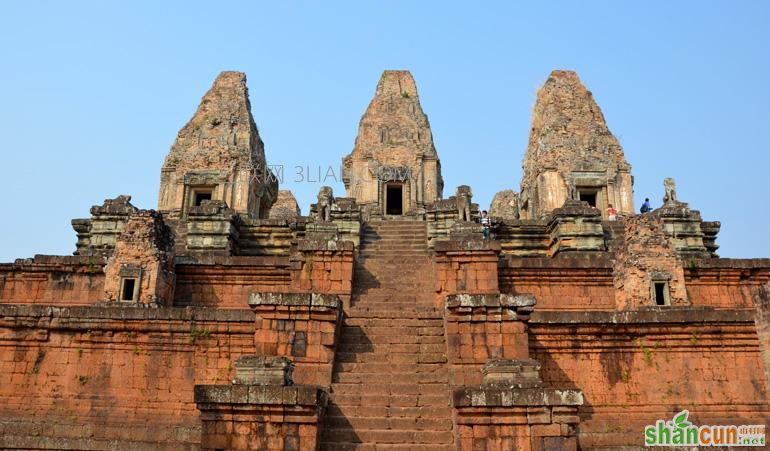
(612, 213)
(487, 224)
(646, 206)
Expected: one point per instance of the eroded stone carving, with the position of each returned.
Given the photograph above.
(571, 153)
(285, 206)
(505, 205)
(141, 269)
(325, 201)
(647, 270)
(218, 154)
(670, 185)
(394, 145)
(463, 197)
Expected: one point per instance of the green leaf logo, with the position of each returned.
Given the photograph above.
(681, 419)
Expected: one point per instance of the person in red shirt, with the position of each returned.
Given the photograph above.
(612, 214)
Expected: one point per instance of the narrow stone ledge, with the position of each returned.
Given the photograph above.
(295, 395)
(295, 299)
(503, 397)
(467, 245)
(118, 312)
(490, 300)
(662, 315)
(324, 245)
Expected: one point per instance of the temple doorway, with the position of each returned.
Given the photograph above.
(394, 199)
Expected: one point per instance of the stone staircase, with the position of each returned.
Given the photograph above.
(390, 389)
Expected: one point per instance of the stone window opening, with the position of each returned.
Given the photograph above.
(129, 289)
(588, 196)
(660, 292)
(201, 194)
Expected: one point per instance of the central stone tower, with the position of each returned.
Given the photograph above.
(394, 167)
(571, 153)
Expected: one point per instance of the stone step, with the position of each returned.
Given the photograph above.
(363, 341)
(384, 330)
(393, 282)
(344, 446)
(434, 377)
(385, 436)
(411, 311)
(393, 348)
(390, 423)
(333, 410)
(384, 309)
(370, 357)
(393, 322)
(400, 400)
(395, 240)
(382, 369)
(363, 337)
(437, 389)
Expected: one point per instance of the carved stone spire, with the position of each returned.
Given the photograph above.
(571, 145)
(394, 132)
(219, 144)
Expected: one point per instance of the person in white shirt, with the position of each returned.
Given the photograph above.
(487, 224)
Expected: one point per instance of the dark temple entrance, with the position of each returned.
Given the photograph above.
(394, 202)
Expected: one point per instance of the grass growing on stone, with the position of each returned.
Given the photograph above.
(199, 334)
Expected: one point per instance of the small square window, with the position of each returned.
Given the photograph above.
(128, 289)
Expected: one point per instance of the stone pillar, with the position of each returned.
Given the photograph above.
(762, 320)
(300, 326)
(466, 266)
(322, 266)
(511, 410)
(260, 410)
(484, 326)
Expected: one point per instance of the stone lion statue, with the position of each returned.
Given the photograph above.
(463, 197)
(670, 185)
(325, 201)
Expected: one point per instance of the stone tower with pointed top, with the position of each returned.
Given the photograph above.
(571, 153)
(218, 156)
(394, 165)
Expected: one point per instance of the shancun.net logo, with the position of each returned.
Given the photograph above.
(681, 432)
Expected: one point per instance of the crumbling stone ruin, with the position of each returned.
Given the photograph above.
(227, 320)
(285, 207)
(505, 205)
(218, 155)
(571, 153)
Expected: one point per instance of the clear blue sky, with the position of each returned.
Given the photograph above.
(93, 94)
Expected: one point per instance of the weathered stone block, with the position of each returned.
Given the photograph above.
(261, 370)
(512, 373)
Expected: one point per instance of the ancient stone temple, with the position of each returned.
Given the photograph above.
(571, 153)
(215, 153)
(394, 167)
(228, 320)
